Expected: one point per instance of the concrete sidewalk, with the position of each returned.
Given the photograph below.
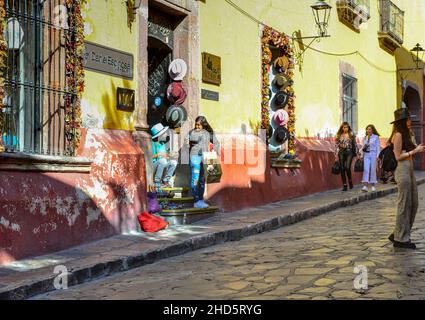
(29, 277)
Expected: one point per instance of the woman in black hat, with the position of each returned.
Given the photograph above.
(345, 150)
(407, 201)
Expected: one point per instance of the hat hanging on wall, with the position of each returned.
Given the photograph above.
(281, 63)
(177, 69)
(281, 134)
(176, 93)
(282, 82)
(281, 99)
(175, 116)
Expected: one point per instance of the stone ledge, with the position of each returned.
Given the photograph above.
(42, 163)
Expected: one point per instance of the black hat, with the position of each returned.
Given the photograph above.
(175, 116)
(281, 134)
(402, 114)
(281, 99)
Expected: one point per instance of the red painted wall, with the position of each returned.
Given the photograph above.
(46, 212)
(239, 189)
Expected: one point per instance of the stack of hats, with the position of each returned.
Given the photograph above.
(176, 94)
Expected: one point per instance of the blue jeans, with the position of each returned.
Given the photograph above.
(198, 179)
(162, 165)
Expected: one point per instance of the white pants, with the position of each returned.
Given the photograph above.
(369, 173)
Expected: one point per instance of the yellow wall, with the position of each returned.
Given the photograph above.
(106, 24)
(228, 33)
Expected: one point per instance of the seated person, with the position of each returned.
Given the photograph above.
(163, 161)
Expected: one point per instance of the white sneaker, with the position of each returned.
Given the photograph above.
(365, 189)
(373, 189)
(200, 205)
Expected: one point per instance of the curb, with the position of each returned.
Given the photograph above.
(102, 270)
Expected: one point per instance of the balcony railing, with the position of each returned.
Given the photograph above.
(392, 20)
(353, 12)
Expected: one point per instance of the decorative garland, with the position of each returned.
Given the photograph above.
(74, 72)
(74, 76)
(280, 40)
(3, 61)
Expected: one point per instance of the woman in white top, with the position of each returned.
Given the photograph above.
(371, 149)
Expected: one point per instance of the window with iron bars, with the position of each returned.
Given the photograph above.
(37, 89)
(349, 101)
(392, 20)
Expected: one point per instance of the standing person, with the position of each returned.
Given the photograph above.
(371, 149)
(345, 150)
(407, 201)
(199, 141)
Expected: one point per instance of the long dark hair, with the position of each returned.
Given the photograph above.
(341, 130)
(401, 127)
(205, 125)
(374, 131)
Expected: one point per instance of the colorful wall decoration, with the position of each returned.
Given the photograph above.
(273, 38)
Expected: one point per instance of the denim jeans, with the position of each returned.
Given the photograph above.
(162, 165)
(198, 178)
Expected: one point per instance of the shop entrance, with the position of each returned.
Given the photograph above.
(160, 53)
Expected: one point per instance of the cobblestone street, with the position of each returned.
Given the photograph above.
(313, 259)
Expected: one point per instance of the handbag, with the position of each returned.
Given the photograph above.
(212, 167)
(150, 223)
(359, 165)
(336, 169)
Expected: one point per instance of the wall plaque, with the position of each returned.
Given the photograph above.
(125, 99)
(108, 61)
(210, 95)
(211, 68)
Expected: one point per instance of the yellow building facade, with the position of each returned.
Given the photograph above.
(232, 30)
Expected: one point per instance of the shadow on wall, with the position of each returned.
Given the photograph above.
(43, 213)
(239, 189)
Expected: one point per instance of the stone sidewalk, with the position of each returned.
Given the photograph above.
(30, 277)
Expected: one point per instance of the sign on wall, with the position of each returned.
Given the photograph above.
(210, 95)
(125, 99)
(108, 61)
(211, 68)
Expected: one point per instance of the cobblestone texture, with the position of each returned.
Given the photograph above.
(313, 259)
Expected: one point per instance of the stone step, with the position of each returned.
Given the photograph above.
(176, 203)
(188, 215)
(179, 192)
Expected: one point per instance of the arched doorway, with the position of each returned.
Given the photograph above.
(412, 99)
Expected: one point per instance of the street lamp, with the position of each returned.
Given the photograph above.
(321, 13)
(415, 54)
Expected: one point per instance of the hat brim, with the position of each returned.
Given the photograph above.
(180, 76)
(276, 133)
(181, 110)
(160, 133)
(409, 117)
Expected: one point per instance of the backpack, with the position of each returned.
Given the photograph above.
(389, 162)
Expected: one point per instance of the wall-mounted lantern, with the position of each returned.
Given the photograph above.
(417, 57)
(322, 13)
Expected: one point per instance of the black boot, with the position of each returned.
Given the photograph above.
(344, 188)
(404, 245)
(350, 183)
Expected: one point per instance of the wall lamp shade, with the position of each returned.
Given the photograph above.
(321, 13)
